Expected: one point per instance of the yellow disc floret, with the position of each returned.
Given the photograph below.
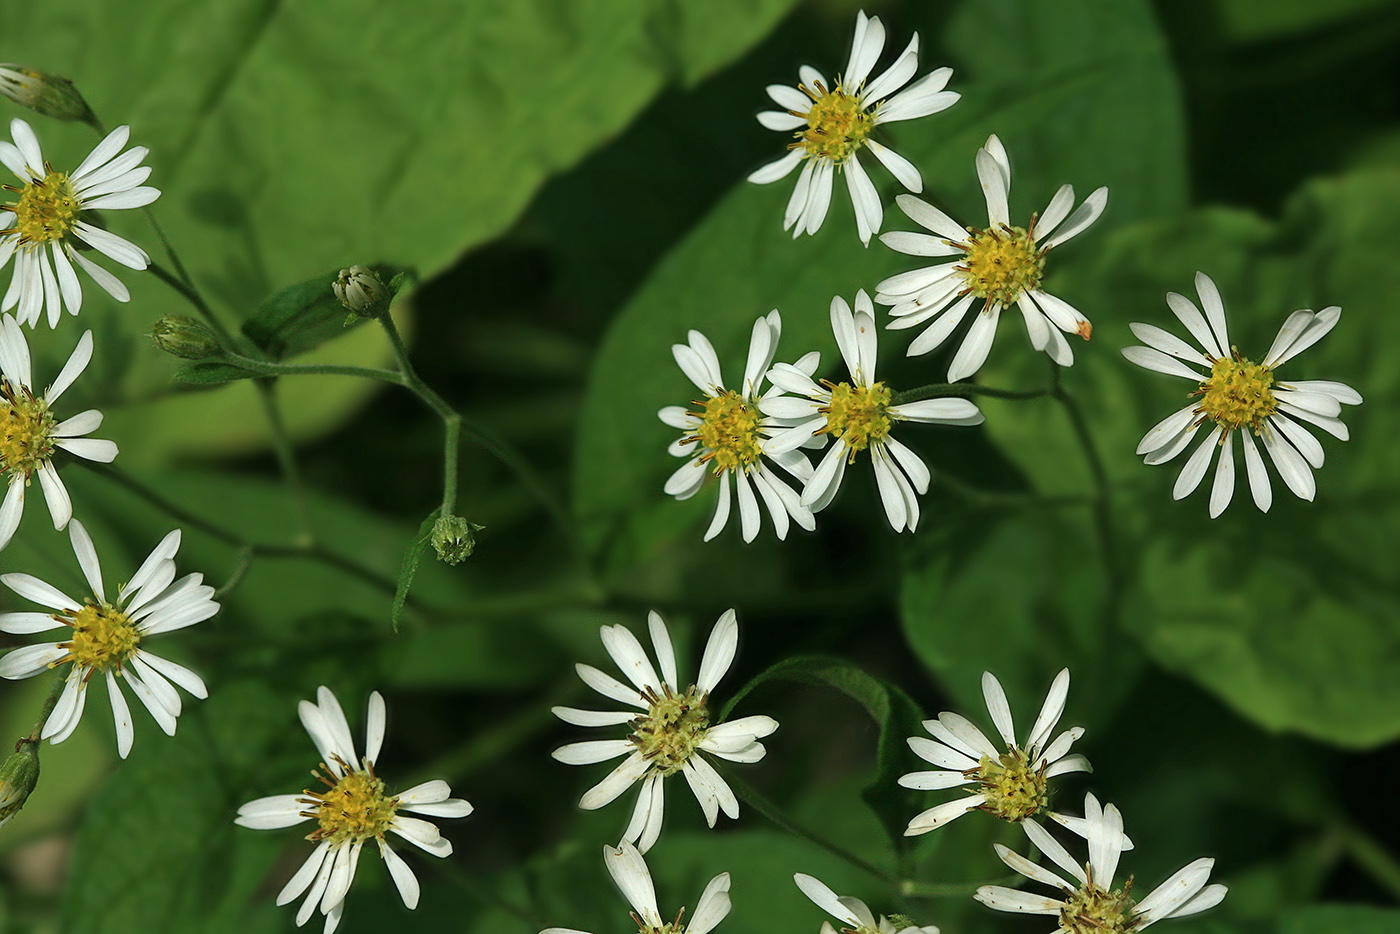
(26, 431)
(355, 809)
(729, 431)
(671, 730)
(103, 637)
(837, 125)
(1238, 393)
(857, 415)
(1091, 910)
(47, 208)
(1013, 790)
(1001, 264)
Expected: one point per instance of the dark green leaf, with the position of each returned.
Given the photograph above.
(211, 373)
(409, 568)
(1340, 919)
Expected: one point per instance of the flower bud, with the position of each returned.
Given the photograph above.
(49, 95)
(185, 337)
(18, 776)
(362, 292)
(454, 538)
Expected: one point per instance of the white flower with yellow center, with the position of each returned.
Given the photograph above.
(855, 916)
(858, 415)
(46, 223)
(670, 727)
(1000, 265)
(108, 637)
(833, 122)
(1011, 783)
(349, 810)
(724, 436)
(629, 871)
(29, 433)
(1094, 906)
(1241, 397)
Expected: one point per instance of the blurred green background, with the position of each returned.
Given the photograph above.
(567, 176)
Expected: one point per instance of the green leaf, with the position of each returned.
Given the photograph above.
(409, 568)
(158, 850)
(1340, 919)
(1079, 94)
(211, 373)
(279, 148)
(306, 315)
(893, 711)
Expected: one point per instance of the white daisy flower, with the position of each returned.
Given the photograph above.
(858, 415)
(1013, 784)
(107, 637)
(629, 871)
(725, 437)
(833, 122)
(1001, 265)
(29, 433)
(855, 916)
(353, 808)
(1235, 393)
(1093, 906)
(668, 734)
(46, 222)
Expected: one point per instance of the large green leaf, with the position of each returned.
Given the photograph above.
(1340, 919)
(291, 139)
(1081, 92)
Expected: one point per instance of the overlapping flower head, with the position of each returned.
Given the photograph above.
(729, 436)
(629, 871)
(1012, 784)
(856, 416)
(834, 122)
(855, 916)
(1094, 906)
(46, 225)
(999, 265)
(669, 733)
(351, 809)
(30, 434)
(1242, 398)
(107, 637)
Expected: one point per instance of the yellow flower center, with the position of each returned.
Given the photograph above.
(1237, 393)
(1000, 265)
(837, 125)
(47, 208)
(729, 431)
(103, 637)
(1014, 791)
(674, 927)
(26, 431)
(1091, 910)
(857, 415)
(355, 809)
(672, 728)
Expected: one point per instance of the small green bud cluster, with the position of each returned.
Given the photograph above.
(454, 538)
(18, 776)
(185, 337)
(362, 292)
(50, 95)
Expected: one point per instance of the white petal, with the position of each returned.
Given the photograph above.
(1224, 487)
(824, 898)
(1291, 466)
(901, 168)
(778, 168)
(1081, 219)
(308, 871)
(712, 907)
(629, 656)
(1196, 465)
(404, 879)
(121, 716)
(719, 651)
(616, 782)
(31, 588)
(629, 871)
(608, 686)
(975, 347)
(942, 814)
(1258, 478)
(591, 751)
(1004, 899)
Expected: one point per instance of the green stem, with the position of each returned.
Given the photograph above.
(765, 807)
(1376, 860)
(191, 295)
(286, 458)
(269, 368)
(451, 420)
(1103, 505)
(245, 561)
(945, 390)
(50, 702)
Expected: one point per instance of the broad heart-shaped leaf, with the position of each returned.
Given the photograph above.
(1287, 616)
(893, 711)
(288, 139)
(1339, 919)
(1022, 597)
(1080, 92)
(158, 850)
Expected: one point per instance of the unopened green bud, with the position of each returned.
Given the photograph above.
(49, 95)
(185, 337)
(454, 538)
(18, 776)
(362, 292)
